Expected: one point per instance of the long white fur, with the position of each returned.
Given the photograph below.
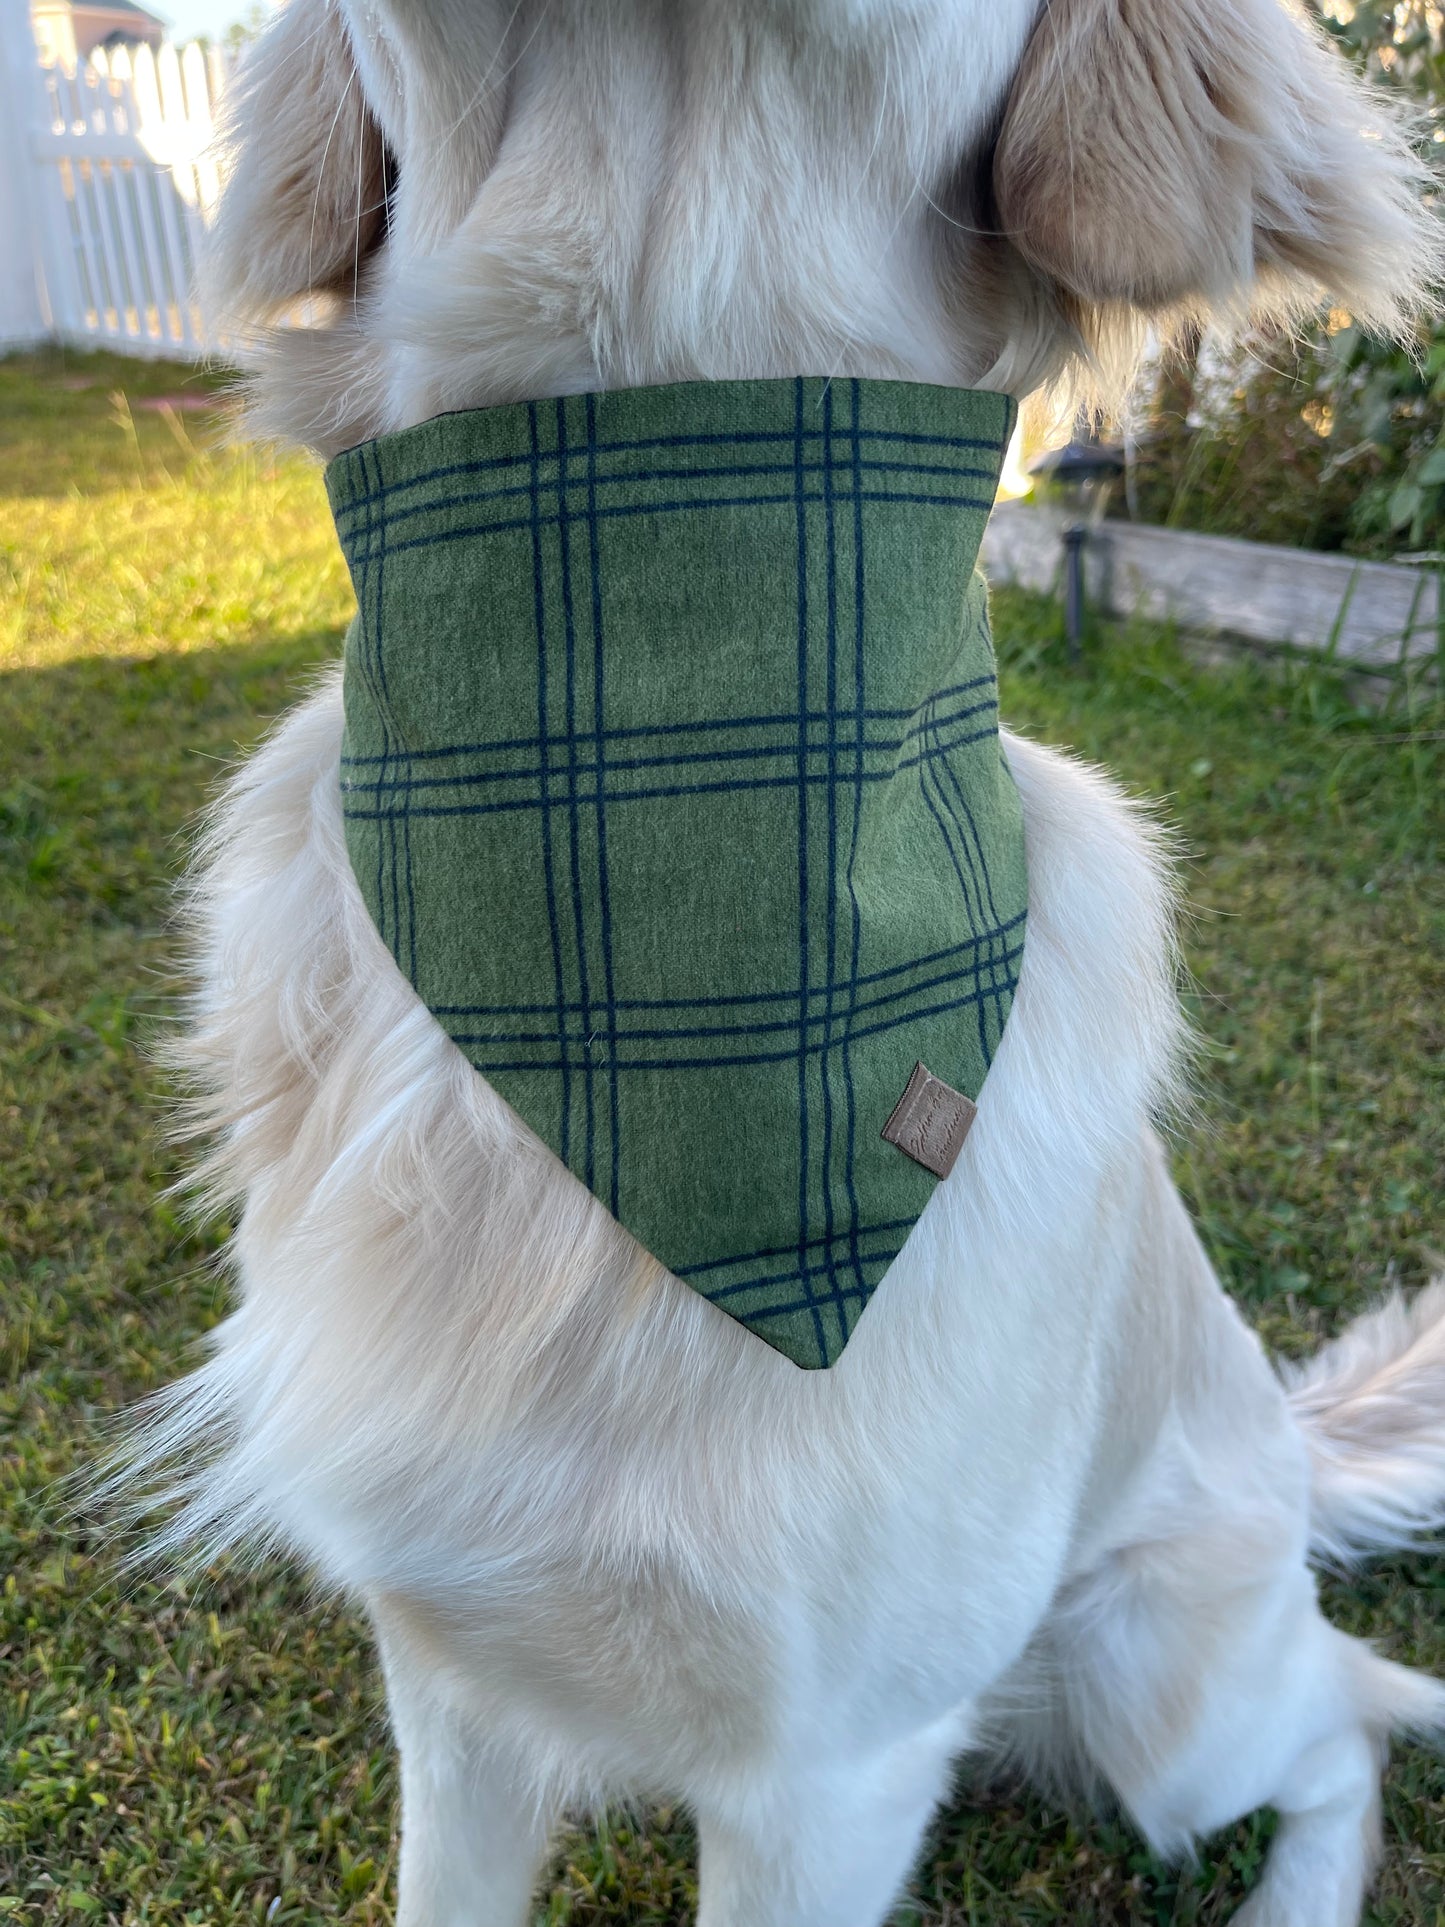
(1052, 1495)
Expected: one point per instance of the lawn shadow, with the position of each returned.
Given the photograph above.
(111, 761)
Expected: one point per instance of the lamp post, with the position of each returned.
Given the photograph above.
(1081, 477)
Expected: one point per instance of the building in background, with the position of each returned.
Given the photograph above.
(67, 31)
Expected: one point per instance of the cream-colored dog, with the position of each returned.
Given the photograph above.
(610, 1542)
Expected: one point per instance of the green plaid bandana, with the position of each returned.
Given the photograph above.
(672, 780)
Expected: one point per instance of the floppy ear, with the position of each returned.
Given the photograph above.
(304, 190)
(1209, 153)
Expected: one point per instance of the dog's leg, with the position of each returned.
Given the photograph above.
(1187, 1663)
(1199, 1706)
(1328, 1838)
(1328, 1799)
(1196, 1674)
(475, 1821)
(822, 1843)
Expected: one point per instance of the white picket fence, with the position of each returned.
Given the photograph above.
(116, 180)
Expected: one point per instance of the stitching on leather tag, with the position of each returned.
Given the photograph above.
(930, 1122)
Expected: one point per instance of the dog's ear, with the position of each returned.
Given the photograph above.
(1208, 154)
(304, 170)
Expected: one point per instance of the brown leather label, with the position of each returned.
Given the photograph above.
(930, 1122)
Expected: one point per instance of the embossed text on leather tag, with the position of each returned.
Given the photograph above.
(930, 1122)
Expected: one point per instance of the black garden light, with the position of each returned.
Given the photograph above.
(1081, 478)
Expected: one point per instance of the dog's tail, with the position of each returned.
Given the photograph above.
(1372, 1406)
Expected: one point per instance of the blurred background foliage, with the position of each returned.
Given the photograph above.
(1332, 440)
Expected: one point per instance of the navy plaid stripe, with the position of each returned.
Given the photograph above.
(1002, 975)
(371, 600)
(831, 967)
(860, 685)
(548, 872)
(384, 494)
(362, 504)
(963, 955)
(843, 1296)
(544, 801)
(506, 525)
(771, 1253)
(579, 914)
(999, 967)
(805, 1175)
(817, 719)
(786, 741)
(599, 738)
(556, 474)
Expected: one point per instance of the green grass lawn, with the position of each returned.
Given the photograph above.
(218, 1754)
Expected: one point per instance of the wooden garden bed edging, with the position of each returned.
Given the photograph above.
(1370, 613)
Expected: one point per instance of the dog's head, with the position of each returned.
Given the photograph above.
(486, 200)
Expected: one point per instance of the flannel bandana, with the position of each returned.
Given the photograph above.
(672, 780)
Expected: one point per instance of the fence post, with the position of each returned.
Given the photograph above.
(25, 317)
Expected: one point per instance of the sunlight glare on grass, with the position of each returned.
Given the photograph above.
(148, 542)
